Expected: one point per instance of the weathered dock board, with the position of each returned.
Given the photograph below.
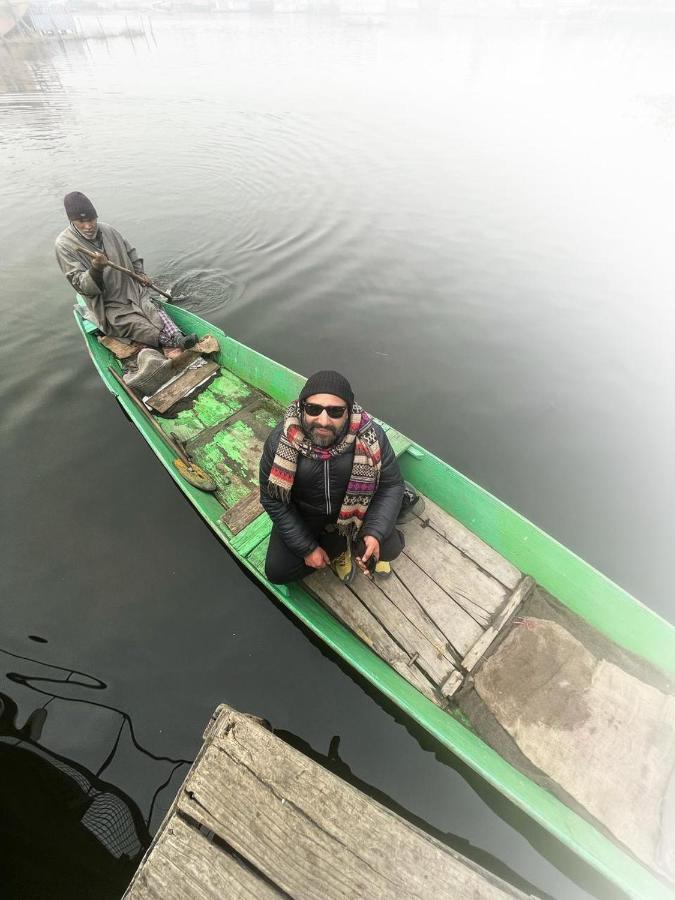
(257, 818)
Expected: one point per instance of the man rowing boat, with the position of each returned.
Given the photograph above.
(118, 304)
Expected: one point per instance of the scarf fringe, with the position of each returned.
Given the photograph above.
(279, 492)
(349, 530)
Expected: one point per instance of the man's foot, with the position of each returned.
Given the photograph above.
(186, 341)
(382, 569)
(343, 566)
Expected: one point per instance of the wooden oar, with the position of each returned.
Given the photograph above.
(129, 272)
(191, 472)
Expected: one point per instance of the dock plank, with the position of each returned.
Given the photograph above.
(304, 831)
(186, 865)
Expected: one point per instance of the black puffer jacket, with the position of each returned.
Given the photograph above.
(319, 489)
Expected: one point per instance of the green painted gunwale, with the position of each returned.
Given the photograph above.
(577, 584)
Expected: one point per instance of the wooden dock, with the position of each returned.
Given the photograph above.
(257, 818)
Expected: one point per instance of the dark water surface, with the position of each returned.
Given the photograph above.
(470, 217)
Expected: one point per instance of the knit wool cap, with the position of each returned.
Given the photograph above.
(328, 383)
(79, 207)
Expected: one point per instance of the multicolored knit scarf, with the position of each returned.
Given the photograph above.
(366, 467)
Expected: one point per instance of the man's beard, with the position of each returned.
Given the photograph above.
(324, 440)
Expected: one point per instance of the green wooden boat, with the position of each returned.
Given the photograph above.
(456, 619)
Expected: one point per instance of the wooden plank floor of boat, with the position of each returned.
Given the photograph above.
(257, 818)
(433, 618)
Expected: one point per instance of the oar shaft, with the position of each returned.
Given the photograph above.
(128, 272)
(141, 406)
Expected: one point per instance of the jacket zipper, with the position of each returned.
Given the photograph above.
(326, 484)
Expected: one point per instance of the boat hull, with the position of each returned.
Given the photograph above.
(575, 583)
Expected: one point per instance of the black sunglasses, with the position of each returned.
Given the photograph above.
(315, 409)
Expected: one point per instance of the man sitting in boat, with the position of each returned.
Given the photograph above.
(330, 482)
(118, 304)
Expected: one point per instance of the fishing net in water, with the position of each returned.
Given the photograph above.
(587, 720)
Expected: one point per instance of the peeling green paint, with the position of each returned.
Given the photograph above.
(227, 385)
(184, 426)
(210, 409)
(232, 441)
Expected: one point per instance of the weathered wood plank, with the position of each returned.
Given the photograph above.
(431, 659)
(452, 684)
(243, 512)
(185, 865)
(350, 610)
(466, 541)
(410, 607)
(459, 629)
(483, 643)
(313, 835)
(165, 397)
(474, 590)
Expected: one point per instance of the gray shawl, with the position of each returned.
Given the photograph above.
(123, 308)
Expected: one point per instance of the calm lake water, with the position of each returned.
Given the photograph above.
(472, 218)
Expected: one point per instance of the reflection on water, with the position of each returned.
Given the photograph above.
(86, 834)
(469, 215)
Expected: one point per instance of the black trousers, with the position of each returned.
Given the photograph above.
(283, 566)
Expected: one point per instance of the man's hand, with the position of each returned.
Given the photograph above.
(317, 559)
(143, 279)
(372, 550)
(99, 261)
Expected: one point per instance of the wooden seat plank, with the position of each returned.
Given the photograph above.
(459, 629)
(473, 589)
(349, 609)
(508, 610)
(431, 659)
(470, 544)
(243, 512)
(167, 396)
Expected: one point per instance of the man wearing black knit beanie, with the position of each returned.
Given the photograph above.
(118, 304)
(330, 482)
